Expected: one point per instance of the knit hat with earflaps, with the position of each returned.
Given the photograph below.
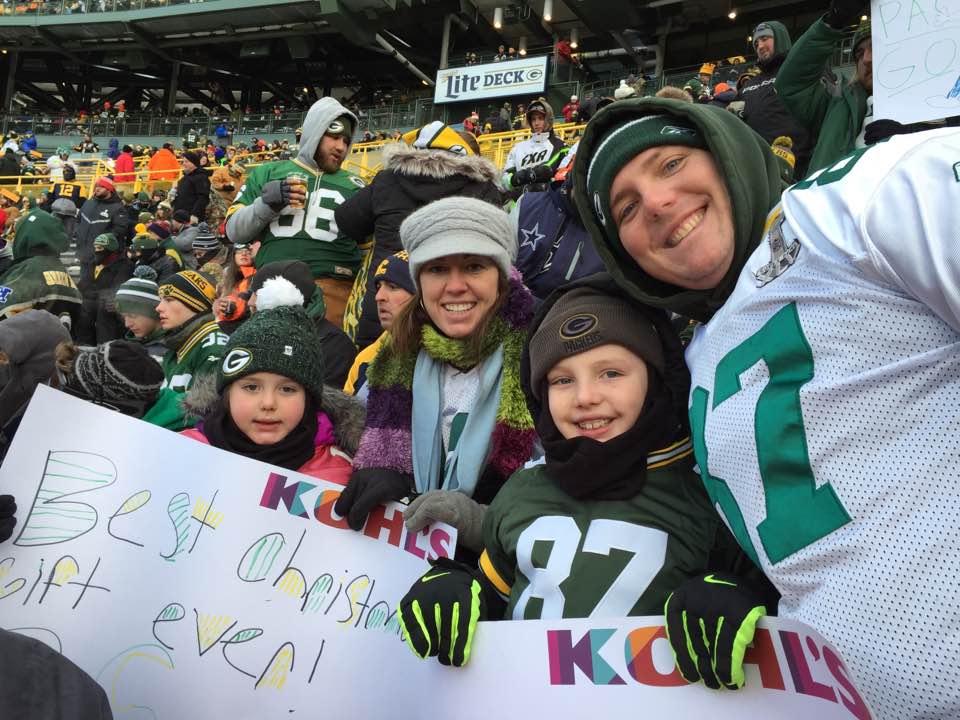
(280, 340)
(751, 176)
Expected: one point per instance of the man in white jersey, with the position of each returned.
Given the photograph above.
(825, 402)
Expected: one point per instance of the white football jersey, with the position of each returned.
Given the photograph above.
(825, 408)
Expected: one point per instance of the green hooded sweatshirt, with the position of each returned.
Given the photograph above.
(37, 278)
(750, 172)
(835, 118)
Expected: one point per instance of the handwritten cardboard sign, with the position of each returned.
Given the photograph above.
(916, 59)
(190, 582)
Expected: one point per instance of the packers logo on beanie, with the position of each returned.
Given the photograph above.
(583, 319)
(281, 340)
(621, 145)
(191, 288)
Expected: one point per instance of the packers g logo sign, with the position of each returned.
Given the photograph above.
(236, 360)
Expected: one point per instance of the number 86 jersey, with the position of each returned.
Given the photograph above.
(825, 411)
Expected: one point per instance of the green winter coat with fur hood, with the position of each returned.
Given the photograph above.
(751, 174)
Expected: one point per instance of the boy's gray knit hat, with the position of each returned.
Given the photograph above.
(458, 225)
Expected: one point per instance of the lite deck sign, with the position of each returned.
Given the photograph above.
(477, 82)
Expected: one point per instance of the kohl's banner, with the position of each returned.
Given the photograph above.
(916, 59)
(190, 582)
(527, 76)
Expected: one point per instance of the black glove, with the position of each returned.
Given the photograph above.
(367, 488)
(843, 13)
(276, 194)
(880, 130)
(710, 622)
(439, 614)
(8, 510)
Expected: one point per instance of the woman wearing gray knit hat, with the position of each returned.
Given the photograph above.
(465, 429)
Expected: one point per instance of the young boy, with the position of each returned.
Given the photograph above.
(616, 517)
(194, 341)
(137, 301)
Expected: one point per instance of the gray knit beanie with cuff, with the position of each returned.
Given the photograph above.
(458, 226)
(583, 319)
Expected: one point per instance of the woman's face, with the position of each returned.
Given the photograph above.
(266, 406)
(458, 292)
(674, 216)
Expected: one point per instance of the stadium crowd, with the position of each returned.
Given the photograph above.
(734, 296)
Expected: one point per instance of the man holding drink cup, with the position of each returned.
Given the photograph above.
(288, 205)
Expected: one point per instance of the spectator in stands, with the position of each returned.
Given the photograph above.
(520, 119)
(208, 250)
(501, 54)
(837, 121)
(591, 106)
(86, 146)
(37, 278)
(263, 209)
(506, 116)
(12, 143)
(193, 189)
(723, 95)
(553, 245)
(113, 151)
(471, 123)
(123, 168)
(67, 187)
(571, 111)
(394, 290)
(56, 162)
(183, 231)
(494, 121)
(458, 343)
(99, 320)
(163, 168)
(624, 90)
(532, 163)
(432, 162)
(66, 212)
(9, 168)
(234, 289)
(145, 250)
(194, 344)
(763, 109)
(136, 301)
(102, 213)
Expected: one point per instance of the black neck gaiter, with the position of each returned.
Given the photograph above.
(587, 469)
(291, 453)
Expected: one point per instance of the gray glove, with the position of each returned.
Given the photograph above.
(453, 508)
(276, 194)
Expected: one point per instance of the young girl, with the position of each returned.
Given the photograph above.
(616, 518)
(270, 404)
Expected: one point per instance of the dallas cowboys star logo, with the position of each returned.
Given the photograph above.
(532, 236)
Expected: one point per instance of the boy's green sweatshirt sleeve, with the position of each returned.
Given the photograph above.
(798, 82)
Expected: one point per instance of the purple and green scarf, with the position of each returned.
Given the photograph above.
(387, 440)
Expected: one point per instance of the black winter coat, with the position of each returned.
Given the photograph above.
(193, 193)
(99, 320)
(97, 217)
(411, 178)
(766, 114)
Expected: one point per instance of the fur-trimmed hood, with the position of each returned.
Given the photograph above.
(437, 164)
(347, 414)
